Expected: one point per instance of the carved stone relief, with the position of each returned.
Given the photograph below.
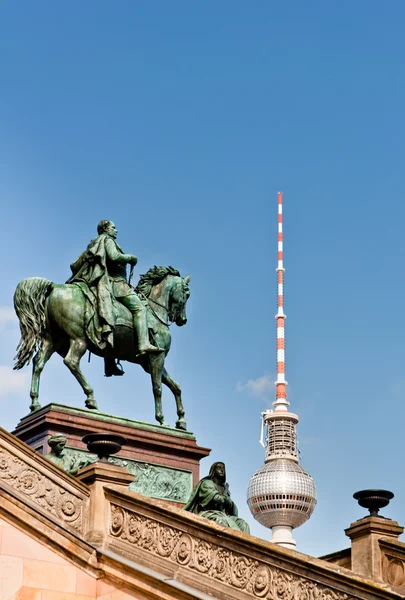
(393, 571)
(243, 573)
(154, 481)
(42, 491)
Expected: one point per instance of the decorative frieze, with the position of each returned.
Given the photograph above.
(155, 481)
(239, 571)
(41, 490)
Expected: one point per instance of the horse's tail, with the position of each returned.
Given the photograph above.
(29, 303)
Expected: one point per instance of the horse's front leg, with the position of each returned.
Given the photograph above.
(156, 362)
(72, 360)
(39, 361)
(176, 391)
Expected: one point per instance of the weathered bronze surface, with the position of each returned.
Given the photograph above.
(102, 268)
(155, 481)
(65, 461)
(211, 499)
(97, 310)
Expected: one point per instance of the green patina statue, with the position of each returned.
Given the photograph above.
(102, 268)
(98, 310)
(64, 461)
(211, 499)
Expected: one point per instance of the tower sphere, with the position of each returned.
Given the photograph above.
(281, 492)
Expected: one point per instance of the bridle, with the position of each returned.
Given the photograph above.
(167, 324)
(149, 300)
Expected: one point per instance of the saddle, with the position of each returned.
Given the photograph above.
(99, 331)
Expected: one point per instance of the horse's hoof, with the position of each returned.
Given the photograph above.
(181, 424)
(91, 404)
(163, 423)
(34, 406)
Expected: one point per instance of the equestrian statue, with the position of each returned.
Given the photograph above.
(100, 311)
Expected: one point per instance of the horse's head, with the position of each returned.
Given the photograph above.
(166, 289)
(179, 294)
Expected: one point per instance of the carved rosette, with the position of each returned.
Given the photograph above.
(39, 489)
(243, 573)
(184, 549)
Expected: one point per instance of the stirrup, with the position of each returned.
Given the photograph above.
(117, 371)
(120, 367)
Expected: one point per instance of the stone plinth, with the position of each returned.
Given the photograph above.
(366, 536)
(165, 462)
(96, 476)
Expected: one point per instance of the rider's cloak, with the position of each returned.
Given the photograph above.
(91, 269)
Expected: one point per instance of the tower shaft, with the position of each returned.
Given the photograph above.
(281, 404)
(281, 493)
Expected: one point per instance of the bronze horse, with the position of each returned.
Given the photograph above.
(52, 319)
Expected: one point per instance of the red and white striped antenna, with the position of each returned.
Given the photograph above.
(281, 404)
(281, 476)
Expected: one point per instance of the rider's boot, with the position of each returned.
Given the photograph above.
(111, 368)
(141, 328)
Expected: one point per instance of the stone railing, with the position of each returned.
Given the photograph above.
(221, 562)
(129, 537)
(27, 475)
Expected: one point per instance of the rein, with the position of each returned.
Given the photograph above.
(153, 311)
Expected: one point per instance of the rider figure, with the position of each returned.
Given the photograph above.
(115, 263)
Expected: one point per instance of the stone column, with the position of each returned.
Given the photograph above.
(365, 535)
(96, 476)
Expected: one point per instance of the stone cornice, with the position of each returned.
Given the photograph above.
(48, 530)
(208, 556)
(20, 449)
(35, 480)
(377, 525)
(101, 417)
(159, 551)
(394, 545)
(72, 547)
(139, 579)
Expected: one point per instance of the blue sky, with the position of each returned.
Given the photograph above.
(180, 121)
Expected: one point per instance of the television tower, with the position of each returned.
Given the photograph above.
(281, 494)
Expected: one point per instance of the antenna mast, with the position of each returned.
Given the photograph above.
(281, 404)
(281, 494)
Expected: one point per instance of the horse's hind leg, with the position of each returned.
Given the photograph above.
(39, 361)
(72, 360)
(176, 391)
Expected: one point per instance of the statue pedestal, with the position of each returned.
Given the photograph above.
(164, 461)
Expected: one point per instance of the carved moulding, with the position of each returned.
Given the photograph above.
(242, 573)
(29, 481)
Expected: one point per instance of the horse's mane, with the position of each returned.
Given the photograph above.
(153, 277)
